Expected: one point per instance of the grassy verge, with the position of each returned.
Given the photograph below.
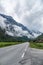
(4, 44)
(36, 45)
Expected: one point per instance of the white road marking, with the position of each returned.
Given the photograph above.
(26, 49)
(23, 55)
(24, 52)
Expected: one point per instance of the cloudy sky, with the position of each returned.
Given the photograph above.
(27, 12)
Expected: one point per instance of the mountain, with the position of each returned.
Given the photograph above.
(36, 33)
(40, 38)
(14, 30)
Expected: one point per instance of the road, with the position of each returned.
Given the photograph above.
(36, 56)
(13, 54)
(21, 54)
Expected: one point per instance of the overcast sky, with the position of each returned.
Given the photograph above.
(27, 12)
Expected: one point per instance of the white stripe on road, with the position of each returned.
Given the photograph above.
(24, 52)
(23, 55)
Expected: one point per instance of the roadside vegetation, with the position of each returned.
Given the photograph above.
(4, 44)
(36, 45)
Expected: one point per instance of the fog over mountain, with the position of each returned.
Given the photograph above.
(27, 12)
(15, 29)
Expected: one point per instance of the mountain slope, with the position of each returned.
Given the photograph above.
(5, 37)
(40, 38)
(14, 29)
(12, 21)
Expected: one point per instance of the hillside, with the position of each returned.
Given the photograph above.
(39, 38)
(5, 37)
(10, 30)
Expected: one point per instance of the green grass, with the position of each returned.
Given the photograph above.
(36, 45)
(4, 44)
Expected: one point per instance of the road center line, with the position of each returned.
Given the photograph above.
(24, 52)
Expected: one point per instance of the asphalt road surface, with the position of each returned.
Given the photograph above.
(21, 54)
